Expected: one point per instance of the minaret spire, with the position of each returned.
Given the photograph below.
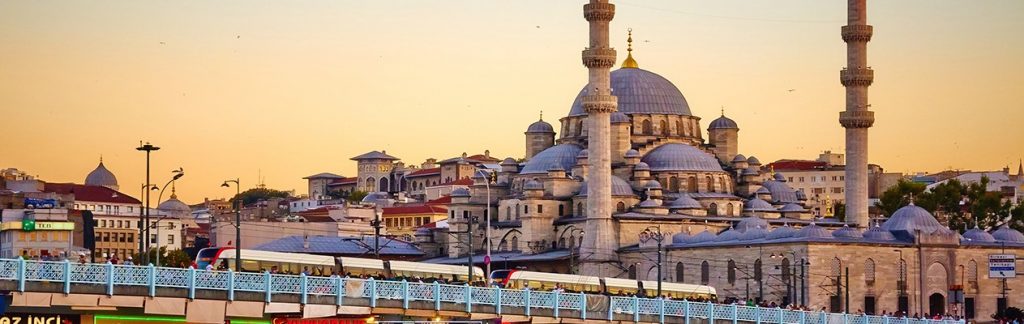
(629, 63)
(856, 77)
(597, 254)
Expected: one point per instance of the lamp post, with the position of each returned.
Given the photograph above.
(375, 223)
(143, 253)
(238, 221)
(488, 176)
(788, 275)
(177, 175)
(144, 221)
(573, 247)
(654, 233)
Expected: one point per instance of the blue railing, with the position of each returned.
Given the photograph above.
(338, 288)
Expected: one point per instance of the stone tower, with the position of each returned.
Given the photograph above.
(600, 241)
(539, 136)
(856, 77)
(723, 135)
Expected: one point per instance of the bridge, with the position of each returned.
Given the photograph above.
(213, 296)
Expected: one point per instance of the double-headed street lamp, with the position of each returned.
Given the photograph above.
(180, 172)
(144, 219)
(654, 233)
(238, 221)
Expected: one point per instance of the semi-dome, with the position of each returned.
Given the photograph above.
(748, 223)
(650, 203)
(685, 202)
(762, 191)
(101, 177)
(640, 92)
(509, 161)
(847, 232)
(781, 192)
(752, 170)
(781, 232)
(680, 237)
(563, 155)
(681, 157)
(540, 126)
(779, 177)
(739, 158)
(755, 233)
(978, 235)
(533, 185)
(619, 187)
(812, 231)
(702, 237)
(911, 218)
(878, 234)
(723, 123)
(1007, 234)
(619, 118)
(757, 204)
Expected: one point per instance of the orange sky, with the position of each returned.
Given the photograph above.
(288, 89)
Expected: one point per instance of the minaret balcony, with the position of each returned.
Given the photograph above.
(857, 119)
(857, 33)
(598, 103)
(599, 11)
(857, 77)
(599, 57)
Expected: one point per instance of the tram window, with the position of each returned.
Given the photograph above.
(251, 266)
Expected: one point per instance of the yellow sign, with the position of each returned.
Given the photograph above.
(40, 226)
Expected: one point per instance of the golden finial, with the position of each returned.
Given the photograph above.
(542, 115)
(723, 111)
(629, 63)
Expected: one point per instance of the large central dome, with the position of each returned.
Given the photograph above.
(640, 92)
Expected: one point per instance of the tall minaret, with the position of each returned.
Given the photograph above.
(600, 241)
(856, 77)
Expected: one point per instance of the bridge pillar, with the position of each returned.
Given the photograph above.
(191, 283)
(583, 307)
(304, 287)
(21, 274)
(405, 294)
(67, 276)
(526, 302)
(231, 284)
(372, 283)
(151, 273)
(437, 296)
(636, 309)
(557, 302)
(469, 298)
(266, 281)
(711, 312)
(661, 310)
(497, 301)
(110, 278)
(339, 283)
(686, 308)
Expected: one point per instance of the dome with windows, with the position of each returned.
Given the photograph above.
(640, 92)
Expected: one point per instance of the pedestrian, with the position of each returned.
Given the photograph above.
(128, 261)
(81, 258)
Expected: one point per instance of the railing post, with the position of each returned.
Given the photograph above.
(661, 309)
(231, 284)
(67, 276)
(469, 298)
(437, 296)
(267, 286)
(885, 319)
(611, 301)
(191, 283)
(846, 318)
(686, 308)
(110, 278)
(636, 309)
(405, 294)
(906, 319)
(304, 288)
(780, 314)
(556, 300)
(757, 314)
(803, 317)
(583, 306)
(151, 273)
(526, 301)
(497, 300)
(21, 274)
(339, 284)
(735, 314)
(373, 292)
(711, 313)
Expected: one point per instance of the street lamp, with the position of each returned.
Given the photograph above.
(180, 172)
(790, 278)
(143, 252)
(573, 246)
(375, 223)
(238, 221)
(148, 148)
(654, 233)
(488, 177)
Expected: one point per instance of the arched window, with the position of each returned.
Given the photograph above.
(517, 211)
(786, 270)
(371, 184)
(384, 185)
(757, 270)
(620, 207)
(679, 127)
(731, 272)
(665, 131)
(692, 184)
(508, 213)
(579, 210)
(561, 210)
(515, 243)
(452, 214)
(713, 209)
(561, 243)
(721, 185)
(972, 272)
(901, 272)
(572, 243)
(673, 184)
(705, 273)
(503, 246)
(465, 214)
(869, 271)
(579, 128)
(645, 127)
(632, 271)
(526, 209)
(729, 210)
(711, 184)
(680, 272)
(837, 266)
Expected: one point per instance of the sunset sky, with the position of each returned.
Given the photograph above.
(288, 89)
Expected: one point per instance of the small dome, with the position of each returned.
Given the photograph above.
(792, 208)
(619, 118)
(800, 195)
(813, 231)
(563, 155)
(533, 185)
(650, 203)
(757, 204)
(174, 206)
(101, 177)
(911, 218)
(781, 232)
(728, 235)
(779, 177)
(642, 167)
(540, 127)
(681, 157)
(509, 161)
(619, 188)
(633, 154)
(751, 171)
(383, 197)
(702, 237)
(755, 233)
(1007, 234)
(762, 191)
(848, 232)
(977, 235)
(749, 223)
(639, 92)
(878, 234)
(652, 184)
(739, 158)
(460, 192)
(685, 202)
(753, 160)
(680, 237)
(723, 123)
(781, 192)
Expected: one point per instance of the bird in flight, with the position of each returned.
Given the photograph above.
(791, 90)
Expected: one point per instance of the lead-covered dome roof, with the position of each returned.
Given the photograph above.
(640, 92)
(911, 218)
(978, 235)
(619, 187)
(1007, 234)
(685, 202)
(540, 126)
(562, 155)
(101, 177)
(680, 157)
(723, 123)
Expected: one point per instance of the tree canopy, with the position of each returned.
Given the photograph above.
(256, 194)
(960, 206)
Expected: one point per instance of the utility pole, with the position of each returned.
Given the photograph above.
(654, 233)
(376, 233)
(148, 148)
(469, 230)
(847, 277)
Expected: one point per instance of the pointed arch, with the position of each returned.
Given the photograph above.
(680, 272)
(972, 272)
(713, 209)
(620, 207)
(665, 131)
(631, 272)
(705, 273)
(679, 128)
(869, 271)
(673, 184)
(730, 210)
(786, 269)
(758, 274)
(645, 127)
(731, 273)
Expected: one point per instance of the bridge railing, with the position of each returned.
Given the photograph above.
(109, 275)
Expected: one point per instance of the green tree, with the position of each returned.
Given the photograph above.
(256, 194)
(356, 196)
(839, 210)
(898, 196)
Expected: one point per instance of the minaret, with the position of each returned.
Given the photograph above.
(600, 241)
(856, 77)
